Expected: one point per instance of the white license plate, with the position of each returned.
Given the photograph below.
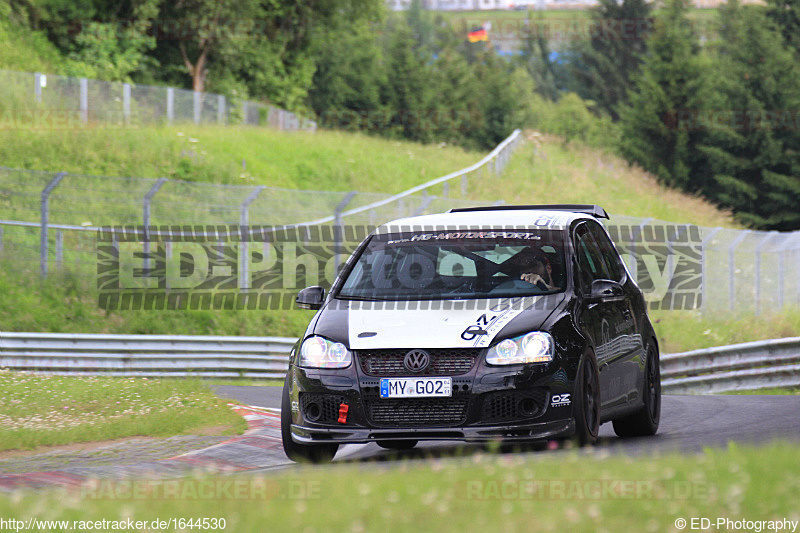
(415, 387)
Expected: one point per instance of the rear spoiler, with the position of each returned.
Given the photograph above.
(594, 210)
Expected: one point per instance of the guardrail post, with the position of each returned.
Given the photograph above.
(84, 96)
(732, 268)
(463, 185)
(126, 102)
(338, 230)
(196, 107)
(1, 238)
(146, 218)
(244, 216)
(45, 212)
(37, 86)
(446, 189)
(170, 105)
(703, 257)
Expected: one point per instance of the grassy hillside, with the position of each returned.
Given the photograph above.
(324, 160)
(543, 170)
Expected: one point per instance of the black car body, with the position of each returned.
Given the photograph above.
(437, 304)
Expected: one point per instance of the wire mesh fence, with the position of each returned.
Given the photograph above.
(47, 101)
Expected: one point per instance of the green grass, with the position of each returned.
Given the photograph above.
(680, 331)
(546, 170)
(325, 160)
(575, 491)
(41, 410)
(768, 392)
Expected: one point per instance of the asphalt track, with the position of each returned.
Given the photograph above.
(688, 424)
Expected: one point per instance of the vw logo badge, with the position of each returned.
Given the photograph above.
(416, 360)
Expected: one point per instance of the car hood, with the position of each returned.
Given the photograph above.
(432, 324)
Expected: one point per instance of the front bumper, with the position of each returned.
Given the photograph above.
(524, 432)
(488, 403)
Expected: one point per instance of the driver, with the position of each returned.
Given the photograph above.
(535, 269)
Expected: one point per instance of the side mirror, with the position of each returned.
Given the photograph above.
(606, 290)
(310, 298)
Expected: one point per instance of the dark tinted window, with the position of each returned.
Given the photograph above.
(610, 256)
(590, 260)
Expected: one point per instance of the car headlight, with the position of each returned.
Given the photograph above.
(534, 347)
(318, 352)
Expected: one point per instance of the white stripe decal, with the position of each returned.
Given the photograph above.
(445, 324)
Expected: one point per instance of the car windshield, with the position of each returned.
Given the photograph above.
(461, 264)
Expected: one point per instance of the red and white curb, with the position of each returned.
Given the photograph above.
(259, 447)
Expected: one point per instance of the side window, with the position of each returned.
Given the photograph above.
(590, 260)
(610, 256)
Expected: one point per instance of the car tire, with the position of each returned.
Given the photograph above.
(644, 422)
(397, 444)
(301, 453)
(587, 402)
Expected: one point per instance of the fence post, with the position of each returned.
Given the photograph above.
(196, 106)
(244, 112)
(337, 230)
(426, 201)
(146, 219)
(757, 298)
(84, 96)
(220, 109)
(244, 216)
(170, 105)
(1, 238)
(59, 249)
(45, 212)
(37, 86)
(126, 102)
(732, 268)
(635, 265)
(703, 261)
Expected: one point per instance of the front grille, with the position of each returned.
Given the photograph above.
(443, 362)
(321, 408)
(417, 412)
(513, 405)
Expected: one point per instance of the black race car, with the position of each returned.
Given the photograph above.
(513, 323)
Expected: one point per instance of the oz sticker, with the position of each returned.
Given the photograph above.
(558, 400)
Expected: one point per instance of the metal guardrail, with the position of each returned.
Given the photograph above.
(748, 366)
(146, 355)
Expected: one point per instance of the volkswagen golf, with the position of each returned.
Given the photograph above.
(510, 323)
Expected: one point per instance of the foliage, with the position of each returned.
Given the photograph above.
(752, 159)
(604, 66)
(671, 81)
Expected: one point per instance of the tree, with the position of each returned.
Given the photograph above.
(269, 46)
(536, 57)
(605, 65)
(786, 15)
(671, 82)
(350, 76)
(752, 147)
